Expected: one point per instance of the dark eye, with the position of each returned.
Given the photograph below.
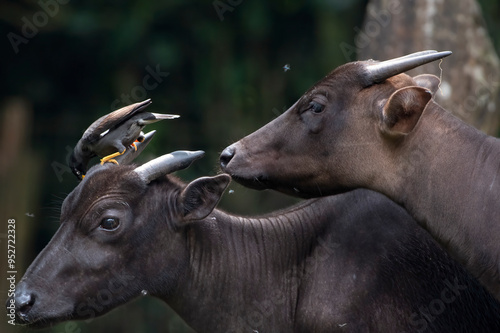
(109, 223)
(316, 107)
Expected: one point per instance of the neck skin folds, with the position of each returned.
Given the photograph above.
(235, 267)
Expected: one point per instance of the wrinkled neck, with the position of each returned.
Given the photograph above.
(239, 265)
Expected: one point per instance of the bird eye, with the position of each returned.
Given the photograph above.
(109, 223)
(316, 107)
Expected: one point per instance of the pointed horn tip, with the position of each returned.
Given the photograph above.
(148, 136)
(130, 153)
(166, 164)
(186, 157)
(426, 58)
(440, 54)
(426, 53)
(380, 71)
(193, 154)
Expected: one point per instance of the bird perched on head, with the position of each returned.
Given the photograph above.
(110, 135)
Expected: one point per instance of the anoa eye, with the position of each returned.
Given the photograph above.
(316, 107)
(109, 223)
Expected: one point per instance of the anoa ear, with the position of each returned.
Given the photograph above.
(428, 81)
(403, 109)
(201, 196)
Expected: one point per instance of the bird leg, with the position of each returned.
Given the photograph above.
(110, 159)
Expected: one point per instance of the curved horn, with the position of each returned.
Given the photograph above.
(130, 154)
(166, 164)
(379, 72)
(416, 54)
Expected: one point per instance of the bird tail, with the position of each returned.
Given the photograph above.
(159, 116)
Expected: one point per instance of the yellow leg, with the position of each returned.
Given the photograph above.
(110, 159)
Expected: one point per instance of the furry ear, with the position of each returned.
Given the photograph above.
(429, 81)
(403, 109)
(201, 196)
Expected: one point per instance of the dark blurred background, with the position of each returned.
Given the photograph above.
(218, 64)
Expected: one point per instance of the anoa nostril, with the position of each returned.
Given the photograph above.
(226, 156)
(24, 303)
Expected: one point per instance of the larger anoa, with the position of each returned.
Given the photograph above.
(368, 125)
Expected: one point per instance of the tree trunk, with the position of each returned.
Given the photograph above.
(470, 76)
(20, 182)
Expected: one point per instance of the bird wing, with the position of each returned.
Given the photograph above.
(103, 125)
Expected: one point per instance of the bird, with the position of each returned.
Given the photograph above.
(133, 151)
(110, 135)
